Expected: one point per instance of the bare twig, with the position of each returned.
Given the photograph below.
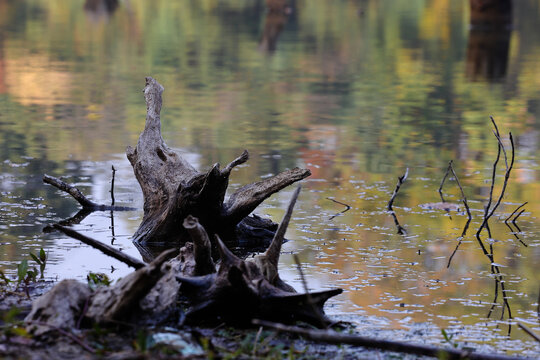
(515, 233)
(489, 211)
(74, 220)
(333, 337)
(401, 179)
(78, 195)
(71, 190)
(104, 248)
(347, 208)
(495, 297)
(514, 220)
(469, 216)
(504, 293)
(254, 352)
(316, 310)
(529, 331)
(444, 179)
(112, 228)
(462, 234)
(112, 185)
(463, 198)
(515, 211)
(67, 334)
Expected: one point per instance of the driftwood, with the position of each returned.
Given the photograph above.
(173, 189)
(333, 337)
(241, 290)
(66, 304)
(77, 194)
(106, 249)
(234, 291)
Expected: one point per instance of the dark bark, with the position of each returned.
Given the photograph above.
(242, 290)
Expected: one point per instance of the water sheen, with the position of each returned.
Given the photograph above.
(356, 91)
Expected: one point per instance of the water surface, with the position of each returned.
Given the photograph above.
(356, 91)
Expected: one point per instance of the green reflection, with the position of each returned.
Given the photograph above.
(355, 90)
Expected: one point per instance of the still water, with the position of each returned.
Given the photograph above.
(356, 91)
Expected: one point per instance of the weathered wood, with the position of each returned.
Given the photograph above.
(173, 189)
(121, 301)
(242, 290)
(106, 249)
(77, 194)
(60, 307)
(333, 337)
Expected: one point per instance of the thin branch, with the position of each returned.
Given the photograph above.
(78, 195)
(333, 337)
(104, 248)
(513, 232)
(503, 291)
(316, 310)
(515, 211)
(529, 331)
(112, 227)
(444, 179)
(347, 208)
(463, 198)
(401, 179)
(74, 220)
(514, 220)
(67, 334)
(469, 216)
(489, 211)
(495, 296)
(112, 185)
(71, 190)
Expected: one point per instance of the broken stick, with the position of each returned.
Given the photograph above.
(79, 196)
(104, 248)
(332, 337)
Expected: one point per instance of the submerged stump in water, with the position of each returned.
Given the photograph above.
(173, 189)
(183, 204)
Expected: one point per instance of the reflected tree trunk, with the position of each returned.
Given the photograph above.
(487, 54)
(489, 39)
(100, 8)
(493, 14)
(276, 18)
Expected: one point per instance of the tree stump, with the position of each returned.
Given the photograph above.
(173, 188)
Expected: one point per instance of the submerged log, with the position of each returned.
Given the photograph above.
(173, 189)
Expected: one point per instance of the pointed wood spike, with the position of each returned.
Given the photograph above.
(227, 257)
(273, 251)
